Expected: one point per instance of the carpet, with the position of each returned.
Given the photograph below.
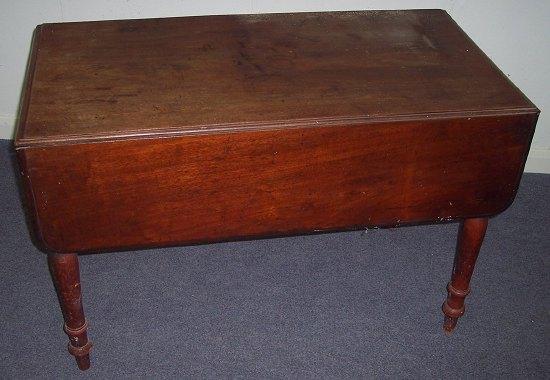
(340, 305)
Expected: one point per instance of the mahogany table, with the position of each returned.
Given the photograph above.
(142, 133)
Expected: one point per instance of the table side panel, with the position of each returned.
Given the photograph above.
(215, 187)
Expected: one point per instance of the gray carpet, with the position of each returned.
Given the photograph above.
(342, 305)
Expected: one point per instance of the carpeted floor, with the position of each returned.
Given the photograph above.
(343, 305)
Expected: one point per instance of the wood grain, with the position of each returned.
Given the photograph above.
(130, 78)
(143, 133)
(206, 188)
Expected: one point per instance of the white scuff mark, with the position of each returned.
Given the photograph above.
(428, 41)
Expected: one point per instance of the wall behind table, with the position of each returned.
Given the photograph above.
(515, 34)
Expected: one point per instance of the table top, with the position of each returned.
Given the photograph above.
(91, 81)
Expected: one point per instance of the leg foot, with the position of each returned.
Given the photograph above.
(66, 278)
(449, 325)
(470, 238)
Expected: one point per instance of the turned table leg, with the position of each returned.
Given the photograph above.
(66, 278)
(470, 237)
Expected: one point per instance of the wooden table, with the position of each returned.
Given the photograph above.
(142, 133)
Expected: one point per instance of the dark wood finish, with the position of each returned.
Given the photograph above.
(196, 189)
(470, 238)
(66, 278)
(131, 78)
(142, 133)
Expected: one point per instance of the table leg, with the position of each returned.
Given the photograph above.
(470, 237)
(66, 278)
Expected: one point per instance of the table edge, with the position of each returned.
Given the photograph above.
(207, 129)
